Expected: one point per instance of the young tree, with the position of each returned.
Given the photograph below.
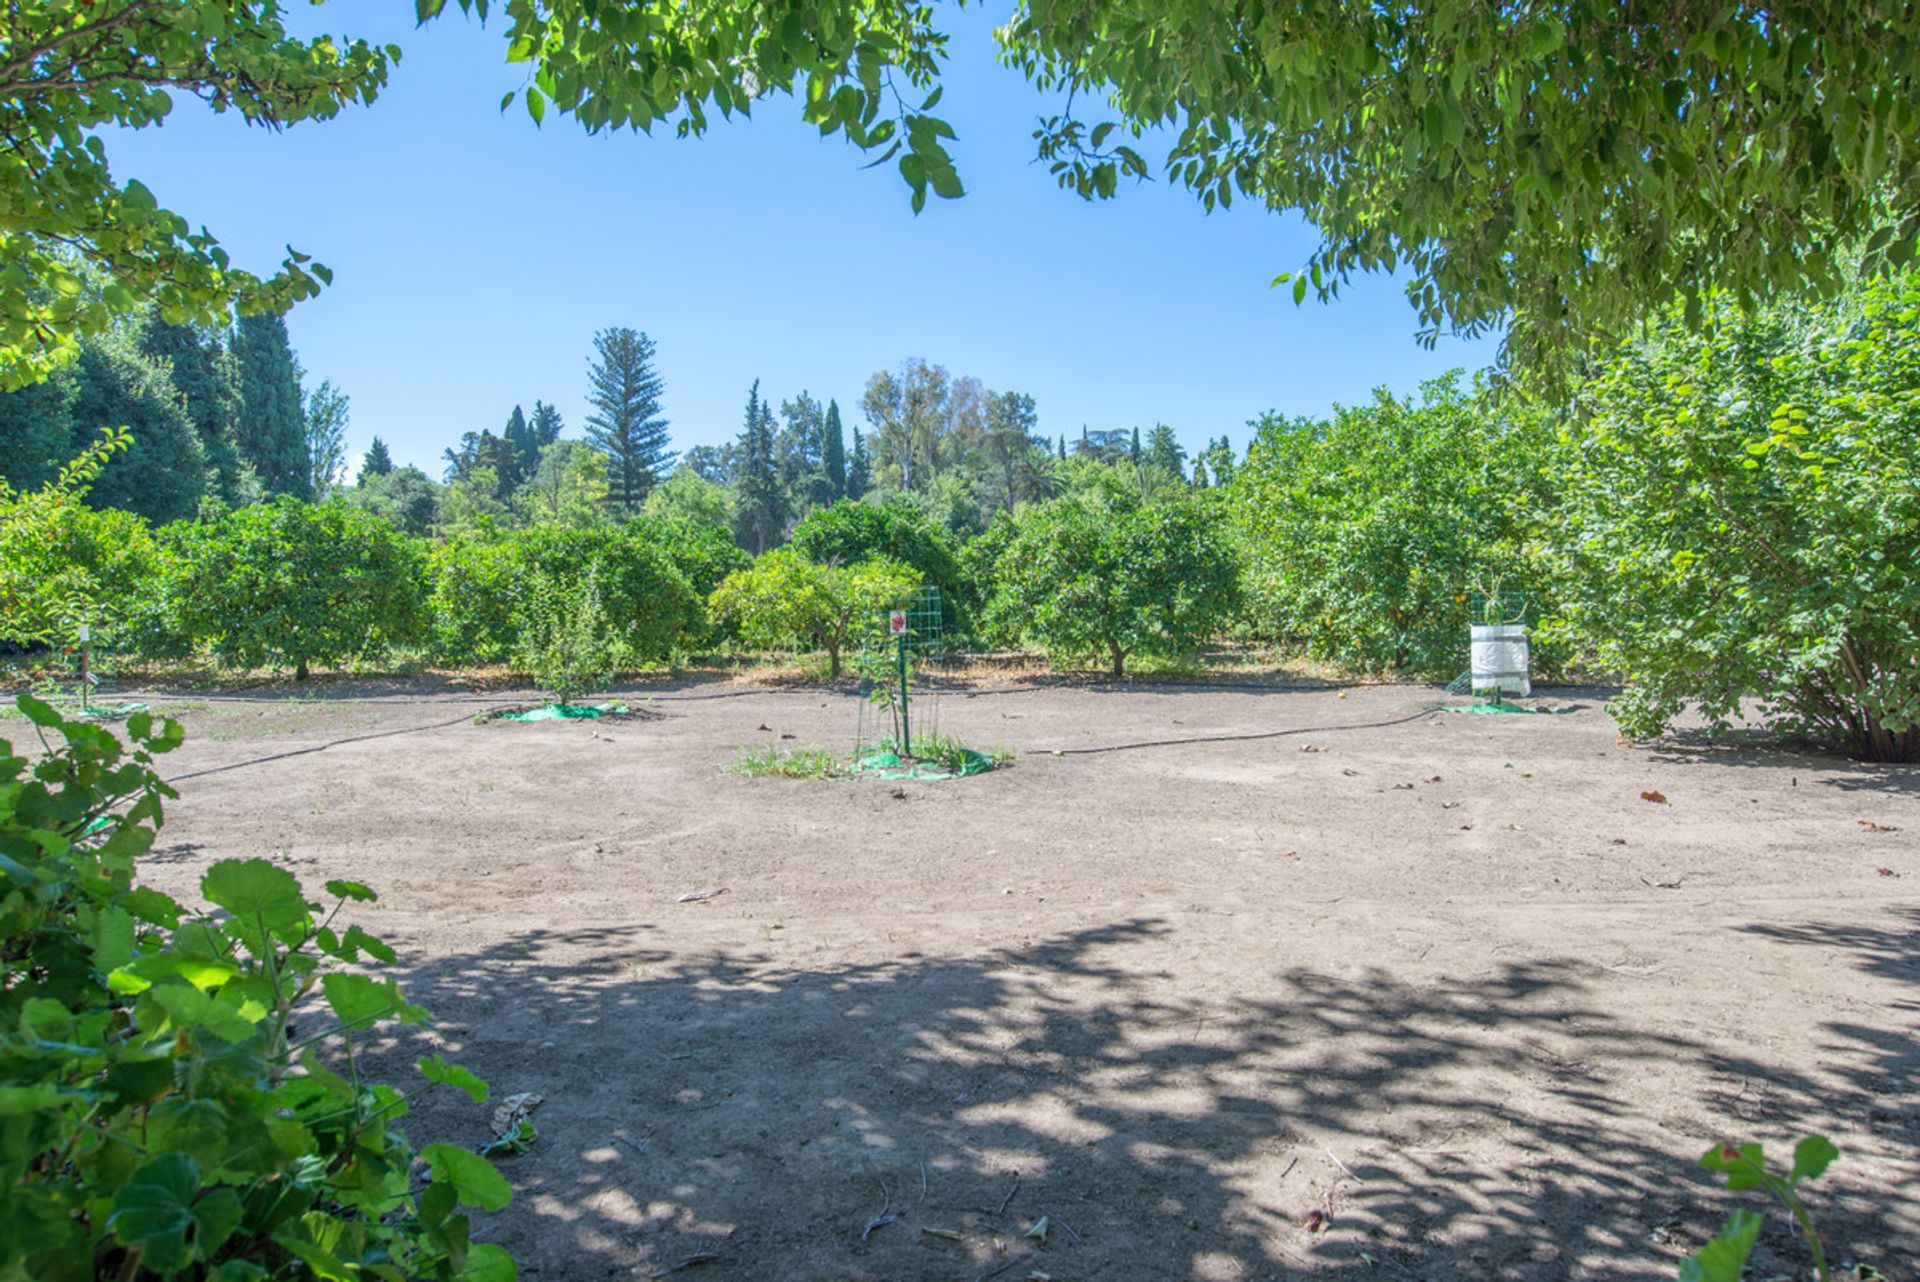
(760, 510)
(298, 584)
(272, 434)
(1085, 578)
(326, 433)
(784, 599)
(377, 462)
(625, 425)
(833, 455)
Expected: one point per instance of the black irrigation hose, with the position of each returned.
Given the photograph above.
(319, 747)
(1231, 738)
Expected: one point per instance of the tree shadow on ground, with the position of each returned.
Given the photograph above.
(1760, 748)
(752, 1116)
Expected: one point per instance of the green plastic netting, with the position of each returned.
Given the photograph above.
(567, 712)
(886, 764)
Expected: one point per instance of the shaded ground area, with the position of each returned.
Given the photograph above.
(1396, 993)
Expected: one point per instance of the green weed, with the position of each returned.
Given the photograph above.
(784, 763)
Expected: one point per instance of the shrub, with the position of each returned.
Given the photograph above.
(784, 599)
(156, 1117)
(1081, 578)
(295, 583)
(704, 553)
(1739, 518)
(565, 640)
(64, 564)
(482, 585)
(849, 532)
(1365, 533)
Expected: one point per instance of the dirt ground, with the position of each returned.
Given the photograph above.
(1447, 982)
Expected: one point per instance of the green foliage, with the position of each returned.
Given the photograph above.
(64, 565)
(1083, 578)
(566, 640)
(272, 431)
(784, 763)
(76, 69)
(156, 1118)
(567, 486)
(703, 552)
(1736, 519)
(405, 497)
(292, 583)
(1364, 533)
(481, 582)
(1724, 1258)
(1556, 168)
(849, 532)
(760, 504)
(783, 599)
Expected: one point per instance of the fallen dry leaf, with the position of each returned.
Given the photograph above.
(513, 1110)
(1316, 1221)
(1310, 748)
(788, 736)
(1657, 797)
(1888, 872)
(1350, 772)
(700, 896)
(1436, 779)
(1466, 826)
(1871, 826)
(766, 727)
(1619, 841)
(1402, 787)
(1448, 805)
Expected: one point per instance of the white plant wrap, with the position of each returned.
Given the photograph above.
(1501, 658)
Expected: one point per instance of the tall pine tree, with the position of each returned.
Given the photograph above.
(759, 503)
(624, 391)
(833, 454)
(545, 426)
(272, 431)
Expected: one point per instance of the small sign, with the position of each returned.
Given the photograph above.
(897, 622)
(86, 633)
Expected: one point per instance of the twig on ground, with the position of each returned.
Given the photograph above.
(1342, 1165)
(994, 1273)
(1291, 1163)
(691, 1262)
(885, 1217)
(923, 1185)
(1008, 1199)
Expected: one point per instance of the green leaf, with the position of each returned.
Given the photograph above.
(1811, 1157)
(435, 1069)
(154, 1211)
(1744, 1165)
(1724, 1259)
(255, 891)
(39, 713)
(358, 1000)
(351, 890)
(488, 1263)
(536, 104)
(472, 1177)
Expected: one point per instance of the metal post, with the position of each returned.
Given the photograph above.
(86, 666)
(906, 731)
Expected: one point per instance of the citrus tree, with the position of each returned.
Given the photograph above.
(297, 584)
(1737, 519)
(784, 599)
(848, 532)
(1365, 533)
(1081, 578)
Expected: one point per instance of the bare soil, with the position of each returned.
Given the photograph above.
(1397, 993)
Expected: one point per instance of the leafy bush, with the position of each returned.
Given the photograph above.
(64, 564)
(1084, 578)
(1365, 533)
(483, 581)
(157, 1118)
(294, 583)
(1739, 518)
(849, 532)
(703, 552)
(784, 599)
(565, 639)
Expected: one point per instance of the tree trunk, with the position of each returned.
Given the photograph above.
(833, 660)
(1119, 659)
(300, 670)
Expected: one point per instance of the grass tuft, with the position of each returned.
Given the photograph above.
(783, 763)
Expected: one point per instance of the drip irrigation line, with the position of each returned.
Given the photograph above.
(1233, 738)
(319, 747)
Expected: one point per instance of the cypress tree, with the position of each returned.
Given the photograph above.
(1134, 454)
(1063, 447)
(833, 455)
(206, 378)
(272, 431)
(378, 462)
(860, 470)
(522, 455)
(624, 391)
(759, 507)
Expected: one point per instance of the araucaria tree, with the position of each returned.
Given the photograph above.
(624, 390)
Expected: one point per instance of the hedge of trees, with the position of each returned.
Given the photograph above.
(1721, 512)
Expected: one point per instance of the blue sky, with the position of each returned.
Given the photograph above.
(475, 255)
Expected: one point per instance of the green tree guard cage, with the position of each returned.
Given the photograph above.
(1499, 656)
(904, 666)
